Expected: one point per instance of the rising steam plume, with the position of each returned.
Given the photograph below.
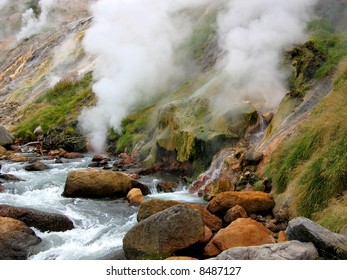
(134, 44)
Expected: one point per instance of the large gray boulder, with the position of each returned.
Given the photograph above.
(93, 183)
(5, 137)
(38, 219)
(163, 233)
(16, 239)
(330, 245)
(291, 250)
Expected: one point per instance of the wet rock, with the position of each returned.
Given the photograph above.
(38, 219)
(167, 186)
(242, 232)
(135, 197)
(100, 157)
(73, 155)
(234, 213)
(94, 183)
(9, 177)
(54, 153)
(330, 245)
(16, 239)
(5, 137)
(58, 160)
(152, 206)
(251, 158)
(292, 250)
(251, 201)
(164, 233)
(2, 188)
(37, 166)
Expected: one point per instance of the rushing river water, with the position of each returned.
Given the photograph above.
(100, 224)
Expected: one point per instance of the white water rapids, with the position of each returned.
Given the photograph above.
(100, 224)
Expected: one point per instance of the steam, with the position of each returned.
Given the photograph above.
(254, 34)
(32, 24)
(134, 44)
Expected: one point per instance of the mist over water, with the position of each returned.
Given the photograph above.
(135, 42)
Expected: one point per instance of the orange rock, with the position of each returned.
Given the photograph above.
(240, 233)
(282, 237)
(235, 213)
(211, 221)
(135, 196)
(252, 201)
(181, 259)
(207, 237)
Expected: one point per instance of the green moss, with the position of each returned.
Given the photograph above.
(58, 107)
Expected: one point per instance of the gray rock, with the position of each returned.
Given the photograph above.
(36, 166)
(5, 137)
(291, 250)
(164, 233)
(16, 239)
(38, 219)
(329, 245)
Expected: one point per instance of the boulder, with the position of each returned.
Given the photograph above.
(153, 206)
(282, 237)
(207, 236)
(330, 245)
(3, 151)
(17, 158)
(242, 232)
(16, 239)
(253, 202)
(234, 213)
(9, 177)
(164, 233)
(292, 250)
(36, 166)
(181, 259)
(167, 186)
(73, 155)
(5, 137)
(93, 183)
(135, 196)
(38, 219)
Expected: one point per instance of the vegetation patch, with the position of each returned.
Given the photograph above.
(58, 107)
(316, 155)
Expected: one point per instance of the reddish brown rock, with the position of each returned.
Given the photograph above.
(17, 158)
(33, 218)
(251, 201)
(99, 157)
(37, 166)
(135, 196)
(242, 232)
(282, 237)
(16, 239)
(54, 153)
(235, 213)
(73, 155)
(211, 221)
(207, 236)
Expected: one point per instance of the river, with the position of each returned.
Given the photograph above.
(100, 224)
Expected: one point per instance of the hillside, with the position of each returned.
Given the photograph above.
(282, 99)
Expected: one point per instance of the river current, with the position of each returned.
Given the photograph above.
(100, 224)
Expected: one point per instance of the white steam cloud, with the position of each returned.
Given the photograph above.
(134, 44)
(254, 34)
(31, 24)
